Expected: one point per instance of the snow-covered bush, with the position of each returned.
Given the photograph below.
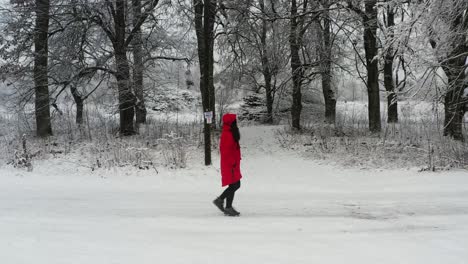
(174, 150)
(118, 153)
(414, 141)
(253, 108)
(172, 100)
(23, 158)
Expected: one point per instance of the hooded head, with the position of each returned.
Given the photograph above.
(228, 119)
(230, 123)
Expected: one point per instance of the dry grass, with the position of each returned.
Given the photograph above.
(413, 142)
(97, 144)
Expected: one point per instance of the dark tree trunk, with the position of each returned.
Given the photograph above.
(392, 100)
(454, 67)
(328, 92)
(138, 67)
(453, 102)
(205, 13)
(209, 22)
(370, 46)
(454, 112)
(266, 69)
(79, 105)
(296, 68)
(269, 99)
(41, 84)
(121, 38)
(126, 96)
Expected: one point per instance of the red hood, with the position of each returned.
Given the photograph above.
(228, 119)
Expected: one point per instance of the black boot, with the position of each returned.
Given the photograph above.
(218, 202)
(231, 212)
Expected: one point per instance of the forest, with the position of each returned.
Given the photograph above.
(84, 68)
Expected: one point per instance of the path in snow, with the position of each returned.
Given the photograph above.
(293, 211)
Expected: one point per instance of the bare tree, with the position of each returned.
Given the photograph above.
(253, 38)
(113, 22)
(78, 50)
(370, 23)
(297, 70)
(138, 67)
(451, 48)
(266, 68)
(392, 100)
(326, 44)
(41, 49)
(205, 15)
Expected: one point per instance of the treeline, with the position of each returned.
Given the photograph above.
(272, 44)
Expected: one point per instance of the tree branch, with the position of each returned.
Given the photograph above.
(356, 9)
(167, 58)
(143, 17)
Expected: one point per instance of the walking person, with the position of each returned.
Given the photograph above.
(230, 164)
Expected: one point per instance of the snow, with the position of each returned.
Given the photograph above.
(409, 110)
(183, 117)
(293, 211)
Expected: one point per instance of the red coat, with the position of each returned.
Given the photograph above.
(230, 153)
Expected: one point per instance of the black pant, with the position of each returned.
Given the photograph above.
(228, 194)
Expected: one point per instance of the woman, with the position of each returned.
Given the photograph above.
(230, 164)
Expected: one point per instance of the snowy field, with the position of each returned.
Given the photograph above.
(293, 211)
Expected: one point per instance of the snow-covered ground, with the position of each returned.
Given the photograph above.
(408, 110)
(293, 211)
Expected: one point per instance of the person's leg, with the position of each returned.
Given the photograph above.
(226, 192)
(230, 196)
(219, 202)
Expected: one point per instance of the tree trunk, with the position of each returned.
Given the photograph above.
(454, 67)
(126, 96)
(269, 99)
(266, 69)
(79, 105)
(209, 21)
(138, 67)
(392, 100)
(204, 27)
(370, 46)
(328, 92)
(41, 84)
(453, 123)
(296, 68)
(454, 103)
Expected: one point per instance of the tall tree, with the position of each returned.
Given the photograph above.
(205, 15)
(138, 67)
(41, 83)
(118, 30)
(449, 43)
(296, 65)
(126, 96)
(266, 65)
(253, 38)
(326, 62)
(392, 100)
(369, 19)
